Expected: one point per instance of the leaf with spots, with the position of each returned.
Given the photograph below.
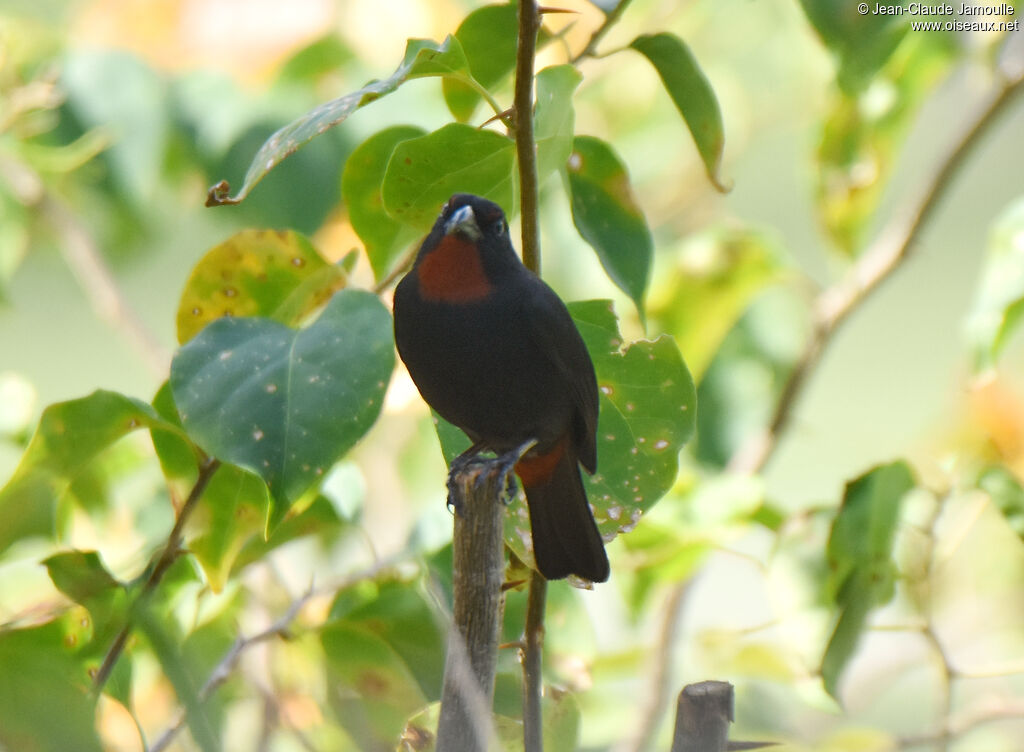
(691, 93)
(647, 413)
(51, 707)
(69, 436)
(276, 274)
(424, 172)
(373, 690)
(423, 58)
(608, 216)
(383, 236)
(286, 404)
(82, 577)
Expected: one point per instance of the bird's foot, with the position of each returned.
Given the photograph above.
(485, 468)
(459, 466)
(505, 465)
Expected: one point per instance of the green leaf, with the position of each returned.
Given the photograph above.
(554, 117)
(422, 58)
(691, 93)
(372, 689)
(179, 458)
(424, 172)
(361, 183)
(81, 576)
(488, 38)
(281, 403)
(45, 702)
(861, 570)
(863, 132)
(233, 511)
(647, 414)
(862, 42)
(320, 519)
(1000, 299)
(398, 613)
(69, 436)
(718, 273)
(608, 217)
(275, 274)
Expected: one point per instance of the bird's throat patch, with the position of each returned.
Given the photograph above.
(453, 272)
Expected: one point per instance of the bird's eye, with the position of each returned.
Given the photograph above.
(499, 226)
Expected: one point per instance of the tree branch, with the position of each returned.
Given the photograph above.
(223, 670)
(478, 572)
(610, 20)
(171, 551)
(532, 658)
(886, 254)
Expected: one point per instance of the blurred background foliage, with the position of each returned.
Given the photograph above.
(117, 115)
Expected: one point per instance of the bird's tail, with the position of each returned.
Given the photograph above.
(565, 537)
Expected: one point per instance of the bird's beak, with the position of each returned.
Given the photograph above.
(463, 221)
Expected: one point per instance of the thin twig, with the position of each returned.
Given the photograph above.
(171, 551)
(529, 25)
(532, 657)
(223, 670)
(609, 20)
(887, 253)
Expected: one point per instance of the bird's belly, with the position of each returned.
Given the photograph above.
(485, 374)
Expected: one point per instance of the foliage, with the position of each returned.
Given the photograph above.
(143, 540)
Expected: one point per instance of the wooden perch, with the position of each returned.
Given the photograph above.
(478, 569)
(703, 714)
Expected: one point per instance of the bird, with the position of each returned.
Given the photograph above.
(494, 351)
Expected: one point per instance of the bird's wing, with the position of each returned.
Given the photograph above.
(556, 334)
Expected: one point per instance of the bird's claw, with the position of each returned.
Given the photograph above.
(503, 465)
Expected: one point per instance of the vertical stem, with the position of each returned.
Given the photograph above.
(533, 651)
(529, 24)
